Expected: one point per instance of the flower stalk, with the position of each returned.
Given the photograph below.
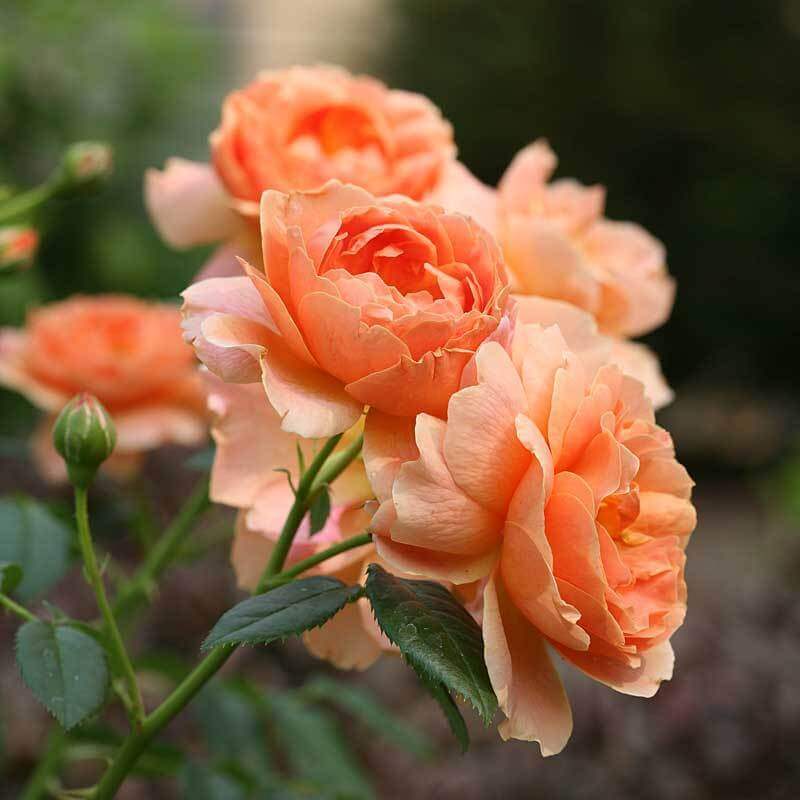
(318, 473)
(113, 635)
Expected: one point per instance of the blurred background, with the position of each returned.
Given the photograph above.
(689, 114)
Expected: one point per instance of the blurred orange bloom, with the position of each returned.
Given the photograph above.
(126, 352)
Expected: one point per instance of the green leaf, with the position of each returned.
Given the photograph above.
(10, 577)
(64, 668)
(286, 611)
(320, 510)
(435, 634)
(203, 783)
(316, 749)
(36, 540)
(364, 706)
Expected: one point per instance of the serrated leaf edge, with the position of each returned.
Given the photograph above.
(49, 710)
(426, 674)
(356, 593)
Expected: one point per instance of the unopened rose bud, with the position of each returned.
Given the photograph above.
(84, 436)
(18, 247)
(87, 163)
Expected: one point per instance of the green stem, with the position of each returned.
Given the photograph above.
(137, 590)
(26, 202)
(138, 741)
(135, 745)
(296, 513)
(36, 788)
(112, 630)
(312, 561)
(17, 609)
(336, 465)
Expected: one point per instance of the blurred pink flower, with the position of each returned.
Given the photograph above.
(557, 244)
(551, 488)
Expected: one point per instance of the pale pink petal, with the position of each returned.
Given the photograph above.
(250, 442)
(528, 688)
(642, 363)
(528, 172)
(188, 204)
(249, 555)
(642, 681)
(311, 403)
(344, 640)
(226, 321)
(543, 261)
(432, 511)
(433, 564)
(483, 453)
(232, 346)
(578, 328)
(632, 265)
(388, 443)
(459, 190)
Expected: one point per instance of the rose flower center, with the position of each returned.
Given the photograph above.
(338, 128)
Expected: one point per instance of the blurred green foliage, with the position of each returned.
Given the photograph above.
(146, 77)
(688, 112)
(137, 75)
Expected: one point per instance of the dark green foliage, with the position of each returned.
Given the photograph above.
(438, 638)
(286, 611)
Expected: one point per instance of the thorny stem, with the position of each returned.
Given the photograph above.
(113, 634)
(318, 473)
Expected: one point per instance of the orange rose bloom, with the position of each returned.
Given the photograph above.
(295, 129)
(362, 301)
(551, 486)
(558, 244)
(126, 352)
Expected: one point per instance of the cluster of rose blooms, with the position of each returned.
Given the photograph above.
(479, 338)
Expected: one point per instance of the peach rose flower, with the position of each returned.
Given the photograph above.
(250, 448)
(549, 485)
(126, 352)
(293, 130)
(362, 301)
(557, 244)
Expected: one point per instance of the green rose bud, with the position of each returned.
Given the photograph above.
(86, 163)
(84, 436)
